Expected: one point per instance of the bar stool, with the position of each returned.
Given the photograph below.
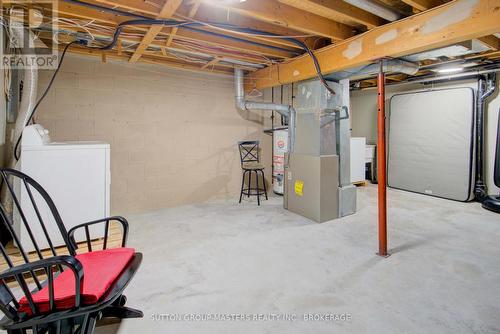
(250, 163)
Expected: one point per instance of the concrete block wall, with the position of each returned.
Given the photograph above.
(173, 133)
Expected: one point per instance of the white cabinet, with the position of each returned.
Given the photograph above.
(358, 158)
(77, 177)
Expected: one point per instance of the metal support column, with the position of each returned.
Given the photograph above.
(381, 167)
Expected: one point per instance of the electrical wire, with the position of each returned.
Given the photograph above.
(219, 26)
(42, 97)
(143, 20)
(174, 23)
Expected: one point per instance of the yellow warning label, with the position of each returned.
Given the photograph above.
(299, 187)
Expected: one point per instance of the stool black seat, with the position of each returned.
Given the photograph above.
(250, 163)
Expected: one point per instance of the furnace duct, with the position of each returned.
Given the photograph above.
(283, 109)
(388, 66)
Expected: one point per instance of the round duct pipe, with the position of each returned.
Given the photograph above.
(283, 109)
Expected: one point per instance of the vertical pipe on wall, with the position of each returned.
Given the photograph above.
(381, 166)
(485, 89)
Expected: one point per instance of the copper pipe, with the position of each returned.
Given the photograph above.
(381, 167)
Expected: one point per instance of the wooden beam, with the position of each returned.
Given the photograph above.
(272, 11)
(423, 4)
(159, 56)
(243, 55)
(337, 10)
(213, 14)
(150, 8)
(192, 13)
(167, 11)
(491, 42)
(232, 44)
(169, 63)
(119, 46)
(215, 53)
(451, 23)
(88, 13)
(212, 62)
(148, 57)
(91, 14)
(205, 14)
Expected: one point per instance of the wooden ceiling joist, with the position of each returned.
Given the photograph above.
(233, 44)
(273, 12)
(211, 14)
(208, 13)
(422, 5)
(202, 13)
(448, 24)
(491, 42)
(192, 13)
(169, 63)
(337, 10)
(149, 8)
(212, 62)
(174, 46)
(167, 11)
(182, 34)
(316, 23)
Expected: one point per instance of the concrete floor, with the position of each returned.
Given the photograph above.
(443, 275)
(222, 258)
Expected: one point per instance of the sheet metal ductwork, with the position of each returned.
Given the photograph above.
(376, 8)
(388, 66)
(283, 109)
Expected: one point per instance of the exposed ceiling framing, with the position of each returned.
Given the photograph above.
(341, 33)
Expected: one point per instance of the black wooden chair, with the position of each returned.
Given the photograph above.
(49, 295)
(250, 163)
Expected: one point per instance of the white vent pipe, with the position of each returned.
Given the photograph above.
(30, 81)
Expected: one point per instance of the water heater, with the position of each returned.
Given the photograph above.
(280, 143)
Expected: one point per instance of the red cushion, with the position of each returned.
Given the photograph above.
(100, 270)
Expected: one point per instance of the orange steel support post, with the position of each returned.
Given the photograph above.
(381, 167)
